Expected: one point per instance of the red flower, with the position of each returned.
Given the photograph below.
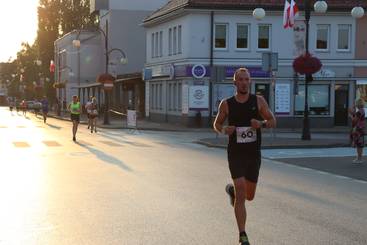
(306, 64)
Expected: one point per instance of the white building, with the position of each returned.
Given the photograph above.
(120, 24)
(194, 47)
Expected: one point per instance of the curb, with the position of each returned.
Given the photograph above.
(122, 127)
(337, 145)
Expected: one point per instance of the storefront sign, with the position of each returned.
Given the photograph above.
(167, 70)
(131, 118)
(324, 73)
(255, 71)
(185, 99)
(198, 71)
(198, 97)
(282, 98)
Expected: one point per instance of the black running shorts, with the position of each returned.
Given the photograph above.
(75, 117)
(241, 165)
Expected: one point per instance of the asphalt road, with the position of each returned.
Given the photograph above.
(121, 187)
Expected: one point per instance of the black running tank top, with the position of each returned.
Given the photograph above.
(240, 115)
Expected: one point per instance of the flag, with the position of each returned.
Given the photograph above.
(293, 13)
(290, 13)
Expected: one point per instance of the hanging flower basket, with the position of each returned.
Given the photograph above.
(306, 64)
(105, 78)
(60, 84)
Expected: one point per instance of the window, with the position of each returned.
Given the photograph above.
(62, 55)
(156, 45)
(322, 38)
(170, 97)
(242, 36)
(263, 41)
(175, 40)
(318, 100)
(179, 96)
(170, 41)
(152, 46)
(220, 36)
(160, 96)
(179, 39)
(160, 43)
(343, 37)
(175, 96)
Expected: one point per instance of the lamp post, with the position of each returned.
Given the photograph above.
(123, 60)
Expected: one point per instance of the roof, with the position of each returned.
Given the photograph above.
(174, 5)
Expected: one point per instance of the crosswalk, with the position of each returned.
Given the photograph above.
(52, 143)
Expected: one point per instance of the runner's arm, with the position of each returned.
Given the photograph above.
(265, 113)
(221, 118)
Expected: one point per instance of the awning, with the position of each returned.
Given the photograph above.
(127, 79)
(88, 85)
(361, 82)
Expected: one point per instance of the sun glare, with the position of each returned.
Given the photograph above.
(18, 22)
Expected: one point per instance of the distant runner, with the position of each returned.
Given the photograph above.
(44, 102)
(74, 108)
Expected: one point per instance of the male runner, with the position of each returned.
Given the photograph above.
(244, 112)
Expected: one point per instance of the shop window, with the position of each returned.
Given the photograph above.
(318, 99)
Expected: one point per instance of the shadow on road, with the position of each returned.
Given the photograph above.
(106, 158)
(53, 126)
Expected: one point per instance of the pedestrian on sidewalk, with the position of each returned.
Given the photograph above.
(75, 109)
(246, 114)
(93, 115)
(358, 128)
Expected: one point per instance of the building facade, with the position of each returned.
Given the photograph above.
(194, 47)
(119, 27)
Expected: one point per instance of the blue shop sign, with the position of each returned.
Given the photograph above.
(255, 71)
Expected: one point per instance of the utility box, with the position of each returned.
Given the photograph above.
(97, 5)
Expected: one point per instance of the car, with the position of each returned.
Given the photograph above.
(34, 105)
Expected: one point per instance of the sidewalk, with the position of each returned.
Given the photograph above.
(278, 138)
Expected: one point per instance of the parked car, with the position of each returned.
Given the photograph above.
(34, 105)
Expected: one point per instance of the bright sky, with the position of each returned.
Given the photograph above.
(18, 23)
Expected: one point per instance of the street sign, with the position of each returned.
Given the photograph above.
(269, 61)
(108, 85)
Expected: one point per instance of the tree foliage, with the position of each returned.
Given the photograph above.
(55, 19)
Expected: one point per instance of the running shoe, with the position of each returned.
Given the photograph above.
(230, 192)
(74, 139)
(244, 239)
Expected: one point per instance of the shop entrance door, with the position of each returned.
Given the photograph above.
(341, 105)
(263, 90)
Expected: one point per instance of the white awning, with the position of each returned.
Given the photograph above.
(360, 82)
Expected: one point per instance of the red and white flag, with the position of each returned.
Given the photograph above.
(290, 14)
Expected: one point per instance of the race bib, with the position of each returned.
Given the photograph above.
(246, 135)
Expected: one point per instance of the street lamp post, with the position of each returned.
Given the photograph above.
(306, 135)
(123, 60)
